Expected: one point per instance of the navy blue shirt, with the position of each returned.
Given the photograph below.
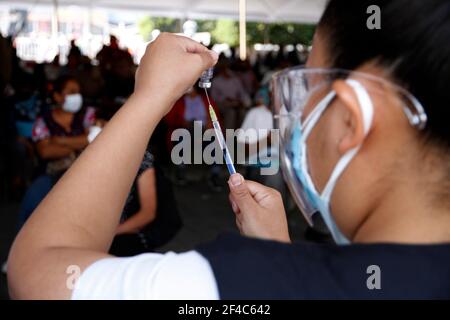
(255, 269)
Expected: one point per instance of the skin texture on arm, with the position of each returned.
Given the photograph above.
(60, 147)
(76, 143)
(146, 186)
(49, 150)
(76, 222)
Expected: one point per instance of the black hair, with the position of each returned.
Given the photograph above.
(413, 44)
(61, 82)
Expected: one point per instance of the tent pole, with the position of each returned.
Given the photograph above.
(55, 26)
(242, 30)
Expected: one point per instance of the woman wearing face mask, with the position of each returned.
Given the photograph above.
(367, 146)
(60, 134)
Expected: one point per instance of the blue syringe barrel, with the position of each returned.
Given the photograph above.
(223, 146)
(205, 79)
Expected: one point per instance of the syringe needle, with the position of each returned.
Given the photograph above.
(207, 96)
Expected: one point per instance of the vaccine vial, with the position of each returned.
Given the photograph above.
(205, 79)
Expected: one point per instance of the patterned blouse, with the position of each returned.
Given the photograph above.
(45, 127)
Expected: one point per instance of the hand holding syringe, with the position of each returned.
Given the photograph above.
(205, 83)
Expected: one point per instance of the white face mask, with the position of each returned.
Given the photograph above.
(73, 103)
(321, 201)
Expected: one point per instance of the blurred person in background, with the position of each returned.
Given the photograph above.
(191, 107)
(259, 119)
(108, 53)
(247, 76)
(53, 69)
(92, 83)
(28, 105)
(74, 49)
(73, 66)
(117, 68)
(229, 93)
(60, 134)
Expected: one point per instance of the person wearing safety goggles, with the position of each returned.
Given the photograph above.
(364, 141)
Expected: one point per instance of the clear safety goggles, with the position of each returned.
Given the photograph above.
(296, 92)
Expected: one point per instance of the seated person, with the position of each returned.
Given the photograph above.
(256, 135)
(60, 134)
(150, 218)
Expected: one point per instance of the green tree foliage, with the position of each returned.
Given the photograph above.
(206, 25)
(279, 33)
(148, 24)
(146, 27)
(227, 30)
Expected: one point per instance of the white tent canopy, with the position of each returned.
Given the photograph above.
(304, 11)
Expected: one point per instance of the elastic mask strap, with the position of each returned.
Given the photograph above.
(315, 115)
(366, 106)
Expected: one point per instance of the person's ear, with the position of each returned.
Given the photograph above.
(354, 124)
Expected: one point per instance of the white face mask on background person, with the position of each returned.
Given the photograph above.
(73, 103)
(321, 201)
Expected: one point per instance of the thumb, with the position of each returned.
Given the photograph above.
(240, 193)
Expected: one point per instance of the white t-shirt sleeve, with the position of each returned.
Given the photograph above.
(185, 276)
(258, 119)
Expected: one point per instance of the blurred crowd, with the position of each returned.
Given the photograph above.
(51, 112)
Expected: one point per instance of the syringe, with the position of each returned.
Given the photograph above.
(221, 140)
(205, 83)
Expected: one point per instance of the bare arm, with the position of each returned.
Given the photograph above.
(49, 150)
(146, 186)
(76, 222)
(77, 143)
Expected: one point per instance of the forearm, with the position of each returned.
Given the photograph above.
(136, 222)
(54, 151)
(101, 179)
(76, 143)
